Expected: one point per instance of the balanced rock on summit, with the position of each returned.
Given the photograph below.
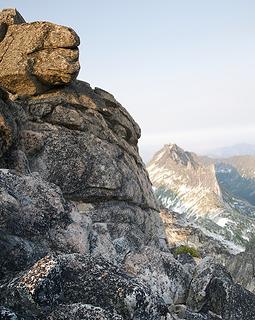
(35, 57)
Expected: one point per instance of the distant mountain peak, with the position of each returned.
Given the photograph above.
(188, 184)
(174, 147)
(174, 166)
(175, 153)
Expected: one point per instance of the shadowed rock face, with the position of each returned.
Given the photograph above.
(11, 115)
(8, 129)
(86, 144)
(35, 57)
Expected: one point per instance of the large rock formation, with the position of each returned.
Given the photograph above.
(71, 180)
(80, 232)
(35, 56)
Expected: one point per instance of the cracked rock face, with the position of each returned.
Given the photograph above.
(35, 219)
(213, 290)
(167, 278)
(35, 57)
(85, 142)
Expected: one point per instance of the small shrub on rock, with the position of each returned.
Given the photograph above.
(186, 249)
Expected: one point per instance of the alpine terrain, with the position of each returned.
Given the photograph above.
(216, 196)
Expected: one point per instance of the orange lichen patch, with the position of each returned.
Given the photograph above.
(39, 271)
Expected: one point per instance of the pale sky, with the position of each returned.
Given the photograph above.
(184, 69)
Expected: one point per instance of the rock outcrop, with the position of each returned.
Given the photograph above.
(81, 280)
(212, 288)
(36, 56)
(179, 232)
(80, 232)
(242, 268)
(71, 181)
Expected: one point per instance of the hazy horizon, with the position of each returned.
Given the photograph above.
(184, 70)
(148, 152)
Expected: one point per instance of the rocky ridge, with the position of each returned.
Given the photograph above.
(179, 232)
(80, 231)
(192, 186)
